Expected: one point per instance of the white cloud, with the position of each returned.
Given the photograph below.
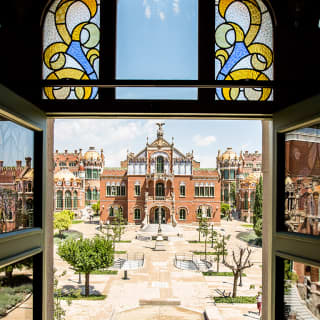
(162, 15)
(147, 12)
(176, 7)
(203, 141)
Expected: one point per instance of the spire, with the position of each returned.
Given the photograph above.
(160, 130)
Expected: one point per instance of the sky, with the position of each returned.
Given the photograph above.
(157, 39)
(117, 136)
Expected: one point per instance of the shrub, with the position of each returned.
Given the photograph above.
(240, 299)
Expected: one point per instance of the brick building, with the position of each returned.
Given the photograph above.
(16, 196)
(302, 183)
(239, 176)
(77, 178)
(160, 181)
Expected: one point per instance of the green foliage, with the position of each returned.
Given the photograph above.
(62, 221)
(240, 299)
(250, 237)
(219, 246)
(110, 272)
(118, 226)
(225, 209)
(67, 235)
(59, 313)
(10, 296)
(257, 208)
(77, 221)
(258, 228)
(8, 270)
(87, 255)
(96, 207)
(288, 273)
(252, 286)
(81, 297)
(233, 193)
(247, 225)
(220, 274)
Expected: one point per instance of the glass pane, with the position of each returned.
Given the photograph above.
(301, 291)
(71, 47)
(157, 40)
(302, 180)
(16, 287)
(16, 176)
(243, 47)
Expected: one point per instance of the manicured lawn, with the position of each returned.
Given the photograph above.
(247, 225)
(120, 252)
(240, 299)
(202, 253)
(77, 221)
(71, 297)
(66, 235)
(220, 274)
(123, 241)
(196, 241)
(10, 296)
(103, 272)
(250, 237)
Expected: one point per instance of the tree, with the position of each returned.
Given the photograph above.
(87, 255)
(8, 205)
(204, 228)
(59, 312)
(220, 245)
(225, 209)
(96, 207)
(239, 264)
(257, 209)
(118, 224)
(8, 270)
(61, 221)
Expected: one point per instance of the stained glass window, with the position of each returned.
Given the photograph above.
(243, 47)
(71, 47)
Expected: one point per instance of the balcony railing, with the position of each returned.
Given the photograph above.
(160, 198)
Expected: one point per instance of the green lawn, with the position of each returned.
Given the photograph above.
(202, 253)
(196, 241)
(120, 252)
(123, 241)
(77, 221)
(66, 235)
(220, 274)
(250, 237)
(240, 299)
(103, 272)
(71, 297)
(247, 225)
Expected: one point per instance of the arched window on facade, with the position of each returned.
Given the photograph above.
(67, 200)
(137, 214)
(75, 200)
(94, 194)
(226, 195)
(88, 195)
(160, 189)
(160, 164)
(182, 214)
(246, 200)
(59, 200)
(252, 198)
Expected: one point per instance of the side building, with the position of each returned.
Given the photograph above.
(160, 182)
(77, 179)
(239, 177)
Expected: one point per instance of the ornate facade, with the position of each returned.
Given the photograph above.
(77, 178)
(160, 182)
(239, 176)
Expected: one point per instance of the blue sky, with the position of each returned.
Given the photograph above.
(157, 39)
(116, 136)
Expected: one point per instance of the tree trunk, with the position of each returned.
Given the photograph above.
(8, 273)
(235, 284)
(87, 285)
(205, 249)
(60, 234)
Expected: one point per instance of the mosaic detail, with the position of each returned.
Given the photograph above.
(243, 47)
(71, 47)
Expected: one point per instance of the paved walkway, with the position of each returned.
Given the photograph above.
(159, 279)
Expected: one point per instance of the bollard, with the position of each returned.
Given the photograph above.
(125, 277)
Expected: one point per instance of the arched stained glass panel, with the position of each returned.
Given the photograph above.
(71, 47)
(243, 47)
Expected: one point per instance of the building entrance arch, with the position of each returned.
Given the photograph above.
(159, 212)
